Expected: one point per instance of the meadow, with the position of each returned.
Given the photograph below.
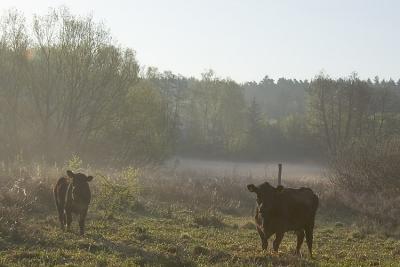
(163, 216)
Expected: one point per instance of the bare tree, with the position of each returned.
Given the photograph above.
(13, 63)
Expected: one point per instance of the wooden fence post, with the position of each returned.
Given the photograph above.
(280, 174)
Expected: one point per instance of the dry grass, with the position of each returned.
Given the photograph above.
(158, 216)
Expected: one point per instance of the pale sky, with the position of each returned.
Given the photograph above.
(246, 40)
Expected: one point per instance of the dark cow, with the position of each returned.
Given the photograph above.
(284, 209)
(72, 196)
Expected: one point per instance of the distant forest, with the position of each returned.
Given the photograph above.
(67, 88)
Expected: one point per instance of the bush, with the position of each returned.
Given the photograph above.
(23, 190)
(119, 193)
(368, 167)
(368, 176)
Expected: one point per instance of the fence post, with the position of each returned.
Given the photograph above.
(280, 174)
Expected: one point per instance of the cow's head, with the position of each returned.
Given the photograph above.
(265, 192)
(80, 186)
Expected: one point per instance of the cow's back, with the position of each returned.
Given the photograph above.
(295, 208)
(302, 197)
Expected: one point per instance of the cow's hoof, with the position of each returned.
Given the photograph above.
(298, 254)
(274, 252)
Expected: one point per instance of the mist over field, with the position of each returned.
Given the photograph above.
(107, 161)
(298, 171)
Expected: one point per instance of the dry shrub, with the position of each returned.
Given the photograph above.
(370, 168)
(197, 190)
(368, 177)
(24, 189)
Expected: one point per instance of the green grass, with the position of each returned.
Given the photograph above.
(175, 239)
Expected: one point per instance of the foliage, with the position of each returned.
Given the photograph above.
(214, 117)
(343, 111)
(119, 193)
(74, 164)
(67, 88)
(60, 80)
(142, 131)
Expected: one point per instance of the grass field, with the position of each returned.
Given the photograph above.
(158, 218)
(181, 239)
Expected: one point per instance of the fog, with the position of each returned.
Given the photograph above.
(299, 171)
(165, 169)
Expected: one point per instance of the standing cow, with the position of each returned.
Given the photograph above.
(72, 196)
(284, 209)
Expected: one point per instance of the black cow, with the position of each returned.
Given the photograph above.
(72, 196)
(284, 209)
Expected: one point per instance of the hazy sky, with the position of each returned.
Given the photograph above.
(248, 39)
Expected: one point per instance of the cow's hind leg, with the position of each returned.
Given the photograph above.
(278, 240)
(300, 239)
(309, 238)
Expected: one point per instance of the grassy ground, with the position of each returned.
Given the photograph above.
(153, 217)
(180, 238)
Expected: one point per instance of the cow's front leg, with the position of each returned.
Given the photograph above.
(61, 217)
(300, 239)
(278, 240)
(267, 234)
(82, 217)
(69, 219)
(264, 241)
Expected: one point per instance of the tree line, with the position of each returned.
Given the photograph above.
(66, 87)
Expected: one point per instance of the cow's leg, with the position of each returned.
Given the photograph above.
(267, 234)
(309, 238)
(300, 239)
(69, 219)
(61, 217)
(264, 241)
(278, 240)
(82, 217)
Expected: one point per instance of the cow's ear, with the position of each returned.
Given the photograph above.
(89, 178)
(70, 174)
(279, 188)
(252, 188)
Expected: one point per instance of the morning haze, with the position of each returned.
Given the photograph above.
(199, 133)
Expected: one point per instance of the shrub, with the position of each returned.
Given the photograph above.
(74, 164)
(24, 189)
(366, 167)
(119, 193)
(368, 177)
